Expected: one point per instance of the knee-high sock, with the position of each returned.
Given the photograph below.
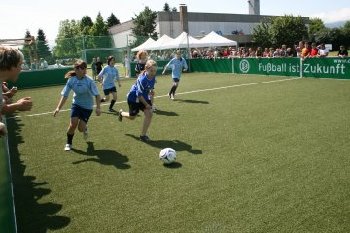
(70, 138)
(172, 90)
(112, 104)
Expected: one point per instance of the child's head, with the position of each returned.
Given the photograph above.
(151, 68)
(142, 56)
(111, 60)
(178, 54)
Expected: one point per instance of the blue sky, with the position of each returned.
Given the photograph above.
(19, 15)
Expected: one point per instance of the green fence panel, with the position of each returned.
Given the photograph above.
(39, 78)
(268, 66)
(211, 65)
(338, 68)
(160, 69)
(7, 215)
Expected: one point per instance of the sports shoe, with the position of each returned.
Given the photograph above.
(86, 134)
(112, 110)
(172, 97)
(120, 116)
(144, 138)
(68, 147)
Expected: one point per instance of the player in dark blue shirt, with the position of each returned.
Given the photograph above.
(139, 97)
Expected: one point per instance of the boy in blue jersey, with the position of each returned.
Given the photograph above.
(139, 98)
(108, 75)
(177, 64)
(84, 89)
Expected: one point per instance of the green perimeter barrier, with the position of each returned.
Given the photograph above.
(39, 78)
(327, 67)
(160, 68)
(267, 66)
(7, 212)
(223, 65)
(330, 67)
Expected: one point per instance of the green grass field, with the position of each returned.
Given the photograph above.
(254, 154)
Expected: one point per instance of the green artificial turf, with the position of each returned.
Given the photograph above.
(254, 154)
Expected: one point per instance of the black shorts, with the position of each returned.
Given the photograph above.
(82, 113)
(176, 80)
(110, 90)
(134, 108)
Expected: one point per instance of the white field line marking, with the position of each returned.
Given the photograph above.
(162, 96)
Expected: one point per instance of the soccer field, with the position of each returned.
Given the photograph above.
(254, 154)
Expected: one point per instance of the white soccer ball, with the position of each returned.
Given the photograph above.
(167, 155)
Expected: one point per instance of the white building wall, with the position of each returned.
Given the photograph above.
(123, 39)
(173, 29)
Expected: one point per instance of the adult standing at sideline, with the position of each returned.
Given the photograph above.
(177, 64)
(84, 89)
(99, 65)
(11, 61)
(93, 68)
(108, 75)
(342, 53)
(139, 98)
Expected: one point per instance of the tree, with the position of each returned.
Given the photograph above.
(112, 20)
(166, 7)
(29, 51)
(316, 25)
(99, 28)
(262, 35)
(288, 29)
(174, 9)
(67, 46)
(85, 25)
(43, 48)
(281, 30)
(144, 26)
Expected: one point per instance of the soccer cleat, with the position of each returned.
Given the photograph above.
(172, 97)
(120, 116)
(103, 100)
(112, 110)
(144, 138)
(68, 147)
(86, 134)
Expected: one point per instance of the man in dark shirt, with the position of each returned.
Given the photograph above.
(342, 52)
(99, 65)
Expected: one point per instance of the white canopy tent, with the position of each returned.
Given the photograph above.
(145, 45)
(182, 41)
(215, 40)
(186, 41)
(158, 44)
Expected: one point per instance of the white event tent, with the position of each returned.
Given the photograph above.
(215, 40)
(162, 41)
(145, 45)
(182, 41)
(187, 41)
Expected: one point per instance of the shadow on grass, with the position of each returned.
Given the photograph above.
(191, 101)
(175, 144)
(31, 216)
(173, 165)
(165, 113)
(104, 157)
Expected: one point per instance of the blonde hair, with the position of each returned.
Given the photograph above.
(150, 63)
